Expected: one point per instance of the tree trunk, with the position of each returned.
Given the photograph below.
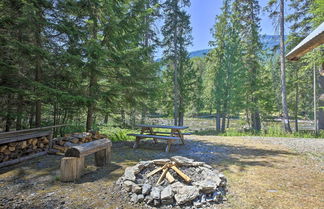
(90, 112)
(9, 113)
(176, 80)
(143, 115)
(181, 111)
(228, 122)
(31, 116)
(223, 122)
(123, 118)
(132, 117)
(19, 112)
(38, 68)
(55, 118)
(176, 99)
(218, 122)
(106, 118)
(92, 76)
(321, 98)
(181, 118)
(283, 70)
(256, 122)
(296, 102)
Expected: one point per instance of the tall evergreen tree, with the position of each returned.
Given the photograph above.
(177, 36)
(224, 69)
(248, 14)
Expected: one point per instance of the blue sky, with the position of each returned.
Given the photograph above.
(203, 13)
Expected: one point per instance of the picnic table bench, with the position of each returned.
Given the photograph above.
(148, 132)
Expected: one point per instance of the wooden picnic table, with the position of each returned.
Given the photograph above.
(148, 132)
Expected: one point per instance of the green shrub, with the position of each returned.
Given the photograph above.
(117, 134)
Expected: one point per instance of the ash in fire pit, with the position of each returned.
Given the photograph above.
(175, 181)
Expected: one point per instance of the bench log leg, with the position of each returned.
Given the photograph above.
(136, 142)
(102, 157)
(71, 168)
(82, 163)
(167, 149)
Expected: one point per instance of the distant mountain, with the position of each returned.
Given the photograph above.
(268, 41)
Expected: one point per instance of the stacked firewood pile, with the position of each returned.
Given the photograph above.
(14, 150)
(62, 144)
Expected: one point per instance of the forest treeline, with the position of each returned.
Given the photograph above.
(90, 61)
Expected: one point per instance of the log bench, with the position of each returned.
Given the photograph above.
(73, 162)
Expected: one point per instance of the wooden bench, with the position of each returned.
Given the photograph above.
(169, 139)
(170, 133)
(73, 162)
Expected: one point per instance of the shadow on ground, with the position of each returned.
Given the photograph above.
(212, 152)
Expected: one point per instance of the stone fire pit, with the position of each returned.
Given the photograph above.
(158, 183)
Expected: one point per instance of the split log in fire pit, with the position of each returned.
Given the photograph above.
(176, 181)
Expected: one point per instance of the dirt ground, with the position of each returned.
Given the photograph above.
(261, 174)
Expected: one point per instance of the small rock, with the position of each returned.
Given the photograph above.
(148, 199)
(166, 193)
(167, 201)
(50, 194)
(185, 194)
(182, 161)
(161, 161)
(198, 204)
(272, 190)
(207, 166)
(140, 198)
(129, 174)
(134, 198)
(156, 202)
(209, 198)
(203, 198)
(196, 164)
(206, 185)
(136, 189)
(217, 196)
(146, 188)
(156, 193)
(128, 185)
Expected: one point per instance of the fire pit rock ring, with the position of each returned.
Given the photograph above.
(178, 181)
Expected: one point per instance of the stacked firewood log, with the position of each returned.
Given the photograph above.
(61, 144)
(19, 149)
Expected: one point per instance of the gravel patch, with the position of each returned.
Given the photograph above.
(299, 144)
(313, 146)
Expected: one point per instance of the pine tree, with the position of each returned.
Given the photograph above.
(248, 15)
(224, 69)
(176, 32)
(280, 15)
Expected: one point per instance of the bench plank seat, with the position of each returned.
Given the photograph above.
(88, 148)
(162, 126)
(157, 132)
(154, 136)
